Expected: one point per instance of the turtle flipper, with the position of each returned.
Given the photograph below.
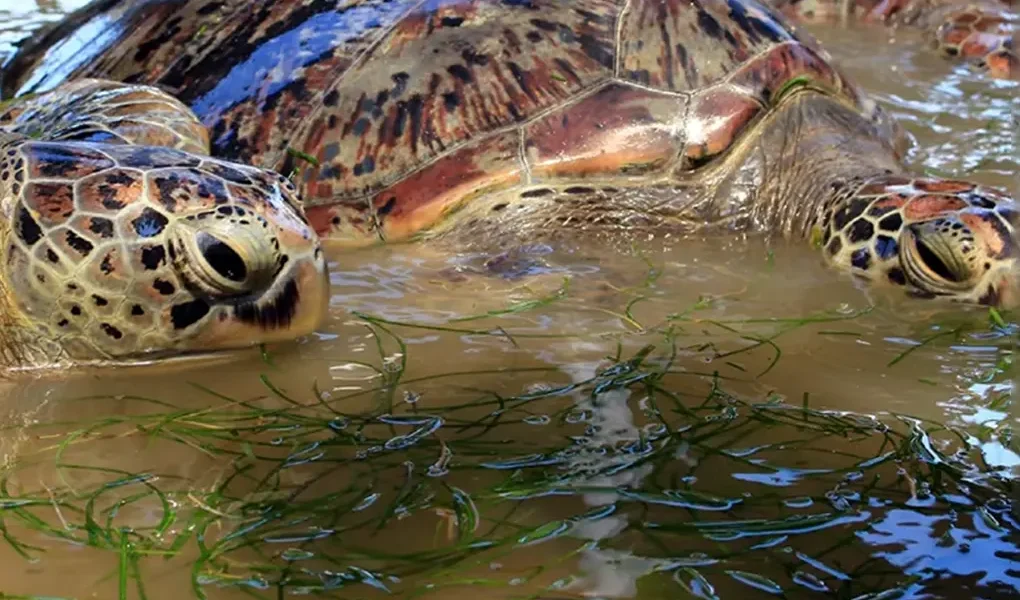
(97, 110)
(984, 33)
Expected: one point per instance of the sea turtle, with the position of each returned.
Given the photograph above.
(485, 123)
(982, 32)
(141, 247)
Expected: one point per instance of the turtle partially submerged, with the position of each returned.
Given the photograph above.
(138, 246)
(478, 123)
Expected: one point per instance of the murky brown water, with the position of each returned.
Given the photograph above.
(421, 447)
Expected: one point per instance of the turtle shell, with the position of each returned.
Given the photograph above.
(395, 112)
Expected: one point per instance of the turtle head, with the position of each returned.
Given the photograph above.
(122, 253)
(935, 238)
(834, 173)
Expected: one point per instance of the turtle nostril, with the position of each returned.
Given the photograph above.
(221, 257)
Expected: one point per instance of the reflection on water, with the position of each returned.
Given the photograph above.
(713, 419)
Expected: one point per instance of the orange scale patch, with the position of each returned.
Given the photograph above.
(109, 191)
(930, 206)
(980, 44)
(343, 224)
(1003, 64)
(894, 201)
(100, 228)
(943, 186)
(989, 233)
(150, 291)
(52, 203)
(421, 200)
(617, 129)
(715, 120)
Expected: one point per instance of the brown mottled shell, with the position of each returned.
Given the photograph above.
(411, 108)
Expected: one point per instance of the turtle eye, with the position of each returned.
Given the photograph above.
(222, 258)
(218, 265)
(934, 259)
(937, 266)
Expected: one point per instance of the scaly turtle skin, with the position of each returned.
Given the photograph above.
(124, 241)
(485, 123)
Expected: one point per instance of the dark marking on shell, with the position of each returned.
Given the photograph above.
(860, 230)
(460, 72)
(27, 228)
(164, 287)
(886, 247)
(79, 244)
(891, 223)
(101, 227)
(153, 257)
(106, 265)
(861, 259)
(851, 211)
(150, 223)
